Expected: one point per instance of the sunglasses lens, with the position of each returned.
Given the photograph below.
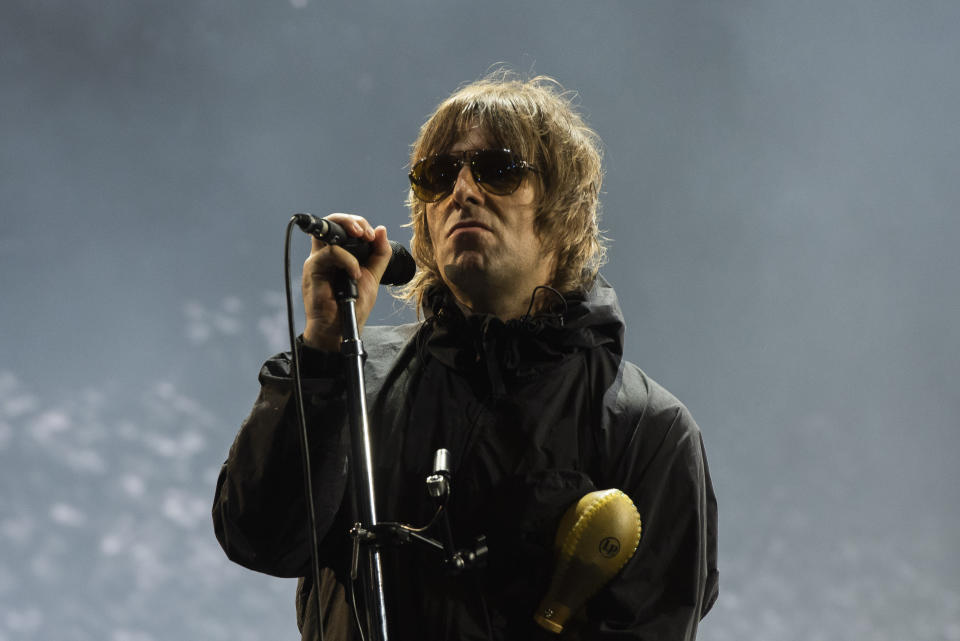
(497, 171)
(432, 178)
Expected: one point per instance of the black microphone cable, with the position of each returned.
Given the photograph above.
(304, 441)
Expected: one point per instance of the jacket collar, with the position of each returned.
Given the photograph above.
(585, 320)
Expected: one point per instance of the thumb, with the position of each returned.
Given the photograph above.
(381, 253)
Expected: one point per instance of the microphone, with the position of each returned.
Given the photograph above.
(401, 267)
(595, 539)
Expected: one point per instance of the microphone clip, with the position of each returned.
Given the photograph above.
(439, 487)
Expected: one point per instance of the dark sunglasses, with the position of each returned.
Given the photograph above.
(496, 171)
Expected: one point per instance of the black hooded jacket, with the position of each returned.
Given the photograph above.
(536, 412)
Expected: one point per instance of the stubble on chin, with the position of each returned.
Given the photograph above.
(465, 275)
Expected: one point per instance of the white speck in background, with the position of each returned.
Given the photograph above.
(6, 433)
(44, 567)
(67, 515)
(48, 424)
(185, 510)
(133, 485)
(112, 545)
(17, 405)
(23, 620)
(150, 569)
(198, 331)
(203, 323)
(17, 528)
(232, 305)
(273, 327)
(86, 460)
(130, 635)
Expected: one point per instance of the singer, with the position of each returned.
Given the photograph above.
(516, 368)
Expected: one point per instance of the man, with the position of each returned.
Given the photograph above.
(516, 369)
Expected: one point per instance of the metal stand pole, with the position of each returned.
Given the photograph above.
(361, 462)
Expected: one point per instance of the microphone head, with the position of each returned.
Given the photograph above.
(402, 267)
(595, 539)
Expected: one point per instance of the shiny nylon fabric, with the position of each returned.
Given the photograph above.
(536, 413)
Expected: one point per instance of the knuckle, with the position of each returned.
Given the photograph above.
(313, 259)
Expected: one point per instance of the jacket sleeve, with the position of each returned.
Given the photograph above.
(259, 509)
(672, 580)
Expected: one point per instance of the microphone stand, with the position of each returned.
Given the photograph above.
(361, 464)
(368, 533)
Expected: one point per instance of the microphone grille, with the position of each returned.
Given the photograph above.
(402, 267)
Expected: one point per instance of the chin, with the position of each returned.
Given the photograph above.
(468, 260)
(466, 271)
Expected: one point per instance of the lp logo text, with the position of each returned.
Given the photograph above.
(609, 547)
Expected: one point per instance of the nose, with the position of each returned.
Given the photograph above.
(465, 189)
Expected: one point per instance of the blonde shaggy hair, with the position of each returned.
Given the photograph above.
(536, 119)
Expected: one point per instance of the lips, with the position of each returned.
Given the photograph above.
(467, 225)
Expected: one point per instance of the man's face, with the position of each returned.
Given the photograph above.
(485, 245)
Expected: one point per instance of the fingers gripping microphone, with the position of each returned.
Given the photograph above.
(401, 267)
(595, 539)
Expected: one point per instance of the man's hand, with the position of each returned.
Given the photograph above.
(323, 318)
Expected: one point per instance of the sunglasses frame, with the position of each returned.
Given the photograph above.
(461, 158)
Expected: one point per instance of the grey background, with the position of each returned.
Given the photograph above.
(781, 193)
